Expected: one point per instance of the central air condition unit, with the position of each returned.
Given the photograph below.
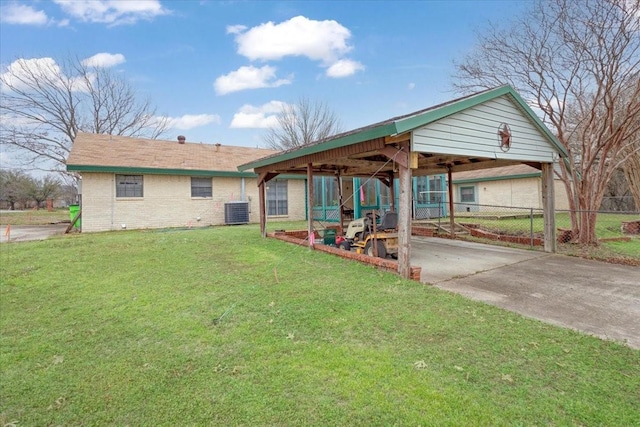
(236, 213)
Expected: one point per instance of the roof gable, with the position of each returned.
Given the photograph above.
(409, 122)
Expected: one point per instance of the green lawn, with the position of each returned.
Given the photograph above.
(608, 226)
(35, 217)
(217, 326)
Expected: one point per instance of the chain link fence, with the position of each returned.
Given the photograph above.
(525, 226)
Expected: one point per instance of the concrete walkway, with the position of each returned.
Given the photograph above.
(598, 298)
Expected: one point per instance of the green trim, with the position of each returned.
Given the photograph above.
(353, 138)
(497, 178)
(155, 171)
(411, 123)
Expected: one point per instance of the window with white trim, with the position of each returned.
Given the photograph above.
(277, 197)
(129, 186)
(201, 187)
(468, 194)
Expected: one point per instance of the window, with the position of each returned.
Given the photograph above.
(435, 189)
(129, 186)
(331, 191)
(421, 189)
(317, 191)
(467, 194)
(201, 187)
(277, 197)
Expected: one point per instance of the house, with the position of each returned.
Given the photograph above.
(515, 186)
(138, 183)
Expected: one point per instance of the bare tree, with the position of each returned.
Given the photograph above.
(45, 105)
(41, 189)
(574, 60)
(301, 124)
(13, 187)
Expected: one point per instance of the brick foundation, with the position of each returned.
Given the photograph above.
(299, 238)
(631, 227)
(521, 240)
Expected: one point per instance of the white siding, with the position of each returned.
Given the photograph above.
(474, 132)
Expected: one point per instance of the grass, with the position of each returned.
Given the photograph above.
(35, 217)
(217, 326)
(608, 226)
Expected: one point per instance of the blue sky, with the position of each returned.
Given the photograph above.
(221, 69)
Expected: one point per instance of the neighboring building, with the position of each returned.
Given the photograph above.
(141, 183)
(518, 186)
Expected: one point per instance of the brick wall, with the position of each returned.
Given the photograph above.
(167, 202)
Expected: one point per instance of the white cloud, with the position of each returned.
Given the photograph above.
(42, 70)
(112, 12)
(324, 41)
(22, 69)
(265, 116)
(411, 86)
(235, 29)
(190, 121)
(249, 77)
(104, 60)
(344, 68)
(21, 14)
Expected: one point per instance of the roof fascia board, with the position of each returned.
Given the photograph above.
(497, 178)
(155, 171)
(536, 120)
(354, 138)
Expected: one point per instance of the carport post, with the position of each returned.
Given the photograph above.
(263, 210)
(404, 217)
(310, 204)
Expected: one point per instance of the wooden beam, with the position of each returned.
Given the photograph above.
(399, 156)
(266, 176)
(395, 139)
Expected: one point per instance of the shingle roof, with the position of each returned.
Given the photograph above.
(104, 151)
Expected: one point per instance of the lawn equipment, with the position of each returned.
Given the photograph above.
(367, 235)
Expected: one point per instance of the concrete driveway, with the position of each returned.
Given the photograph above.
(20, 233)
(598, 298)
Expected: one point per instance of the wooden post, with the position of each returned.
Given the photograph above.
(310, 204)
(340, 201)
(263, 208)
(392, 193)
(452, 219)
(548, 208)
(404, 218)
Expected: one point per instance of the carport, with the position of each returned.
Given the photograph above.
(488, 129)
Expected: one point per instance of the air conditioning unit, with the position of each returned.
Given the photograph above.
(236, 213)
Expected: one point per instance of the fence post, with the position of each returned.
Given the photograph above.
(531, 227)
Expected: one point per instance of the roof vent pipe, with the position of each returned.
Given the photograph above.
(181, 139)
(217, 144)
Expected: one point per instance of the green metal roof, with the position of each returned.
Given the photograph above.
(409, 122)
